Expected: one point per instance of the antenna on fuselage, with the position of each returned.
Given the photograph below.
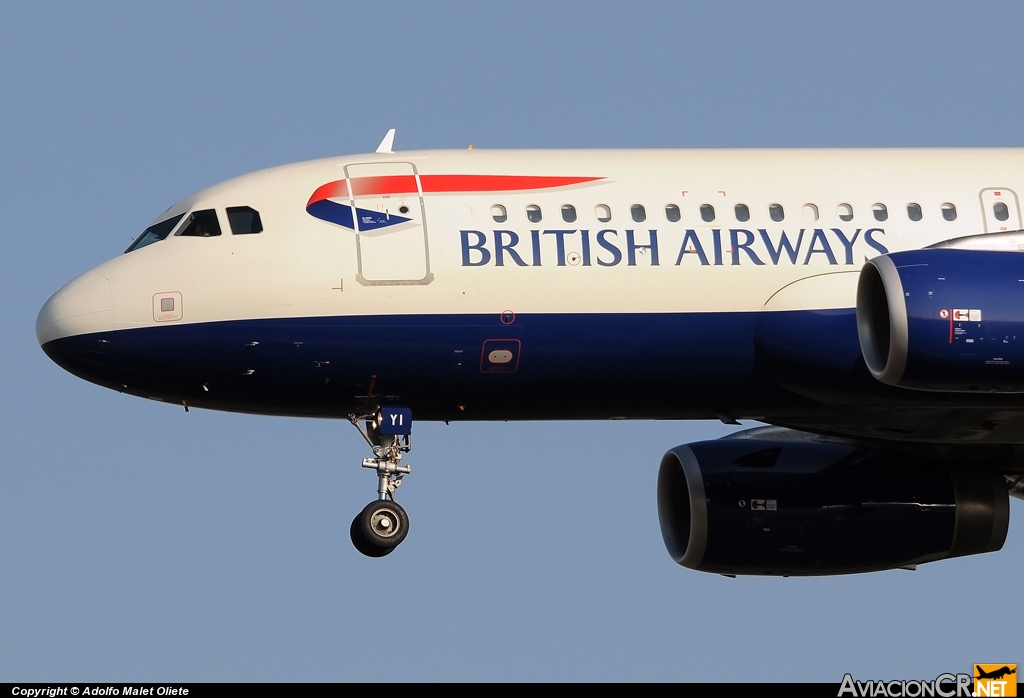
(387, 145)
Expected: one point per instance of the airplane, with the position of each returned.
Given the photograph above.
(866, 306)
(995, 674)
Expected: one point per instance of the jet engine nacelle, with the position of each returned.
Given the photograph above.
(949, 320)
(808, 506)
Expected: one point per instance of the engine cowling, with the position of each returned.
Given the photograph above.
(777, 502)
(950, 320)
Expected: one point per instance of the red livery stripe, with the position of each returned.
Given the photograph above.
(388, 184)
(440, 184)
(331, 190)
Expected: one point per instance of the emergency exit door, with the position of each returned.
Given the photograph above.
(1001, 210)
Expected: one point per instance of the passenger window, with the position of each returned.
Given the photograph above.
(637, 212)
(244, 220)
(810, 213)
(672, 213)
(603, 213)
(880, 212)
(742, 213)
(498, 213)
(845, 212)
(201, 224)
(949, 212)
(533, 213)
(776, 213)
(914, 212)
(569, 213)
(1000, 211)
(707, 213)
(155, 233)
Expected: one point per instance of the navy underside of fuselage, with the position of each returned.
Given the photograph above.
(537, 366)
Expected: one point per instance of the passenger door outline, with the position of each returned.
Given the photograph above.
(389, 253)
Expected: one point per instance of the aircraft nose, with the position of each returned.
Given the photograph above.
(82, 306)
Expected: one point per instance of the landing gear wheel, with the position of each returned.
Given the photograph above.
(383, 523)
(361, 544)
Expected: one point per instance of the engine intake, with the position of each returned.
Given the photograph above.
(948, 320)
(802, 505)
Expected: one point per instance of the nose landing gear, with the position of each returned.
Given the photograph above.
(383, 524)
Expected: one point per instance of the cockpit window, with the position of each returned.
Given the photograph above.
(155, 233)
(244, 220)
(201, 224)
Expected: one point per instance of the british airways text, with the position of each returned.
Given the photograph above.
(714, 247)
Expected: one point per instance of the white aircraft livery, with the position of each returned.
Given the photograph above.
(866, 305)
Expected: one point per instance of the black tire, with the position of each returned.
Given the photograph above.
(383, 524)
(362, 545)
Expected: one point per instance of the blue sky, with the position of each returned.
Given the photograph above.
(138, 542)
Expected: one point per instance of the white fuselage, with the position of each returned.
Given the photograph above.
(302, 266)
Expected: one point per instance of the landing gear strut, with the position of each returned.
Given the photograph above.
(383, 524)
